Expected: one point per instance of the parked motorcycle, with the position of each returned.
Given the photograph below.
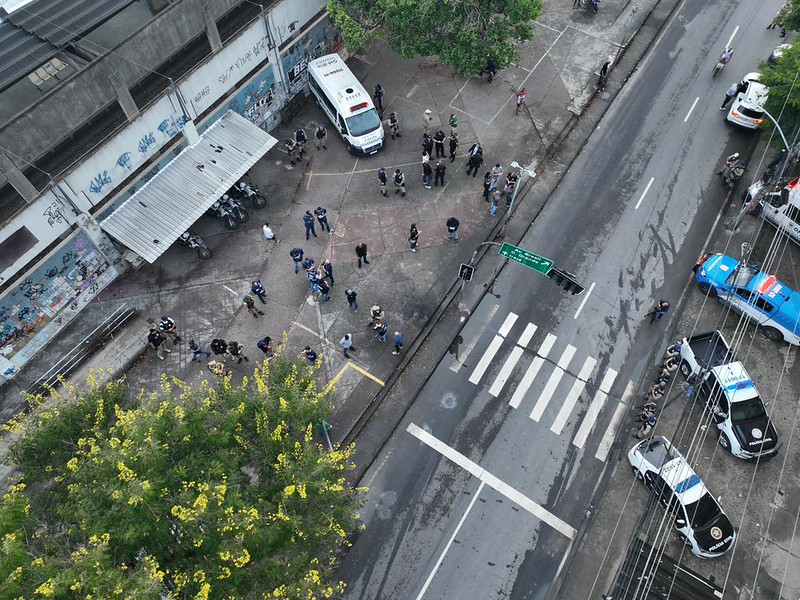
(236, 207)
(248, 190)
(224, 212)
(195, 242)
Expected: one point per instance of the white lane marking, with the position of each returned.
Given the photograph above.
(450, 542)
(505, 372)
(573, 395)
(644, 193)
(733, 35)
(487, 358)
(585, 299)
(526, 336)
(552, 383)
(532, 371)
(492, 481)
(595, 407)
(467, 346)
(689, 114)
(608, 437)
(309, 330)
(229, 289)
(507, 324)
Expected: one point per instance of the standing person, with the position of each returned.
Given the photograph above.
(399, 182)
(394, 125)
(377, 314)
(521, 95)
(453, 145)
(497, 173)
(250, 303)
(475, 159)
(452, 228)
(732, 91)
(658, 311)
(167, 327)
(378, 94)
(324, 289)
(197, 350)
(383, 180)
(453, 122)
(381, 329)
(511, 183)
(327, 270)
(347, 344)
(413, 237)
(313, 280)
(291, 146)
(322, 216)
(308, 264)
(427, 145)
(487, 185)
(301, 140)
(361, 253)
(297, 257)
(438, 142)
(257, 288)
(397, 342)
(427, 174)
(352, 299)
(321, 135)
(220, 348)
(265, 345)
(426, 157)
(440, 169)
(427, 120)
(236, 350)
(308, 221)
(156, 341)
(309, 355)
(269, 235)
(495, 202)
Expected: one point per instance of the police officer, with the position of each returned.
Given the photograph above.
(301, 140)
(438, 140)
(379, 97)
(321, 135)
(291, 146)
(156, 341)
(394, 125)
(383, 180)
(399, 182)
(168, 327)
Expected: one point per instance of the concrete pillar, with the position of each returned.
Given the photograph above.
(211, 29)
(17, 178)
(124, 97)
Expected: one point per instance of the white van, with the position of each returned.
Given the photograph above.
(347, 104)
(782, 209)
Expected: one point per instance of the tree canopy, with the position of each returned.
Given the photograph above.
(463, 33)
(783, 80)
(208, 492)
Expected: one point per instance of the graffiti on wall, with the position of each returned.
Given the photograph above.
(247, 61)
(255, 100)
(65, 281)
(317, 41)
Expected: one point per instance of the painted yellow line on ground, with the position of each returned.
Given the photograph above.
(350, 365)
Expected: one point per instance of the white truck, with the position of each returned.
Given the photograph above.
(730, 397)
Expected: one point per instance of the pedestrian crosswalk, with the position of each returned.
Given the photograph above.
(542, 363)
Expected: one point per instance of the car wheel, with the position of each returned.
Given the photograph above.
(772, 334)
(724, 441)
(707, 289)
(637, 473)
(685, 370)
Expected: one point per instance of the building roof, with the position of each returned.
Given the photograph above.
(154, 217)
(33, 34)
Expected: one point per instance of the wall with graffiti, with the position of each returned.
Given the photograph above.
(319, 40)
(43, 301)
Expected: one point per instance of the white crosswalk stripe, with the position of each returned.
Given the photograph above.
(552, 383)
(505, 372)
(532, 371)
(595, 407)
(572, 396)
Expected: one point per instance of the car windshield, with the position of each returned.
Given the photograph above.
(363, 123)
(657, 452)
(741, 276)
(702, 513)
(747, 410)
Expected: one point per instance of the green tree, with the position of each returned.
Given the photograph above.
(463, 33)
(783, 81)
(209, 492)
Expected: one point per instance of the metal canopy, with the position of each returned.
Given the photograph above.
(154, 217)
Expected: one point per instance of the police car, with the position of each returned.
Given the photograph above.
(735, 406)
(699, 519)
(761, 297)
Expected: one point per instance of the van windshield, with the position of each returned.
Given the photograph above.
(363, 123)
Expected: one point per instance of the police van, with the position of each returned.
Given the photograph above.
(781, 208)
(759, 296)
(348, 105)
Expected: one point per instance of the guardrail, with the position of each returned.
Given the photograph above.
(83, 350)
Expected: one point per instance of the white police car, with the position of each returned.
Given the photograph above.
(699, 519)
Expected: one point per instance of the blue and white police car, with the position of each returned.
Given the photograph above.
(700, 521)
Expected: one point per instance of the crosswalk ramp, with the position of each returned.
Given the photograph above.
(545, 374)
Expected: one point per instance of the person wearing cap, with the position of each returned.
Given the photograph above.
(394, 125)
(321, 135)
(378, 94)
(399, 182)
(290, 146)
(646, 428)
(382, 179)
(725, 171)
(427, 120)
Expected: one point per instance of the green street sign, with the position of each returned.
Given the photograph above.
(529, 259)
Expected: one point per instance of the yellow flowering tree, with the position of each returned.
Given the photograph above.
(209, 492)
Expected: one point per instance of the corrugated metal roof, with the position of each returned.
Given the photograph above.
(152, 219)
(21, 53)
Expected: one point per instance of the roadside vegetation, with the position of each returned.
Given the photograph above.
(212, 491)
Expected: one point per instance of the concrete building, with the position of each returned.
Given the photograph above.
(97, 99)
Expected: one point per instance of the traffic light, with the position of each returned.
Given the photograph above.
(565, 280)
(465, 272)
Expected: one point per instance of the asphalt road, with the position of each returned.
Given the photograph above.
(481, 490)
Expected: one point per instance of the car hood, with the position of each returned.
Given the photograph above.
(717, 537)
(756, 435)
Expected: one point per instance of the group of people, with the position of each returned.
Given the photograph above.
(732, 170)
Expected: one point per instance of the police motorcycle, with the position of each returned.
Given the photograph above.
(248, 190)
(223, 211)
(236, 207)
(191, 240)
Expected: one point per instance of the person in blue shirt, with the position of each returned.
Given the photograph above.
(308, 221)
